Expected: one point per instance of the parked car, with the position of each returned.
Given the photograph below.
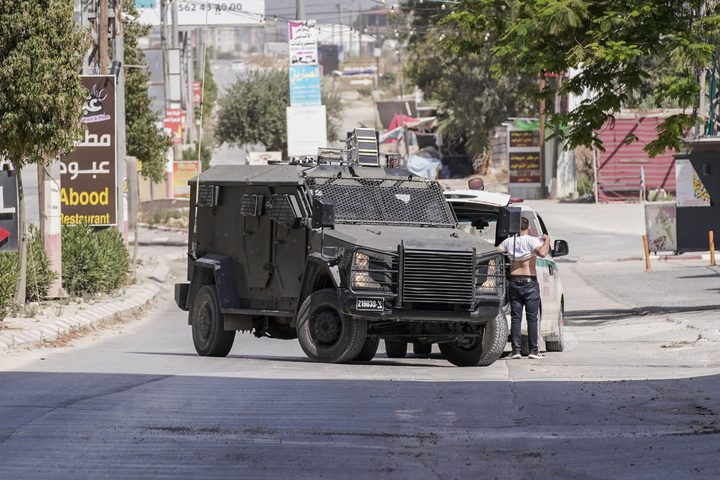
(478, 212)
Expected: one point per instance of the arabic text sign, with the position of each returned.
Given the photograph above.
(524, 167)
(174, 121)
(196, 12)
(305, 84)
(88, 177)
(8, 211)
(302, 43)
(182, 173)
(524, 138)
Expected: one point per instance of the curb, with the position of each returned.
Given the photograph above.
(136, 297)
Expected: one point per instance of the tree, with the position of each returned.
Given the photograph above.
(41, 98)
(473, 100)
(144, 139)
(253, 110)
(612, 48)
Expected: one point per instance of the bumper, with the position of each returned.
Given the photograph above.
(182, 291)
(380, 308)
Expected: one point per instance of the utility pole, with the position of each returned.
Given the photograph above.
(299, 10)
(556, 134)
(121, 147)
(541, 86)
(101, 27)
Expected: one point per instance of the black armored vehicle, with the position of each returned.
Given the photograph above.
(339, 253)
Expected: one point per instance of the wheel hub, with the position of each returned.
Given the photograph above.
(205, 321)
(326, 327)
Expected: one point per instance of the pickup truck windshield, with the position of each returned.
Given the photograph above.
(384, 201)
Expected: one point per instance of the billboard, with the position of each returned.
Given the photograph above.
(198, 12)
(87, 175)
(524, 156)
(302, 43)
(8, 211)
(305, 84)
(306, 130)
(182, 173)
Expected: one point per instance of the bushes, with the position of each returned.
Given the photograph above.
(93, 261)
(39, 275)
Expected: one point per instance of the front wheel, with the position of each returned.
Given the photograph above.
(483, 350)
(325, 334)
(208, 329)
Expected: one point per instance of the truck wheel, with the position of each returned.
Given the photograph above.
(325, 334)
(557, 344)
(369, 350)
(395, 349)
(422, 349)
(208, 330)
(483, 350)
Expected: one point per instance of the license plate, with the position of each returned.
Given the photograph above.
(369, 304)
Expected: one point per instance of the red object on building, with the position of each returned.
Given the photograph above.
(619, 166)
(174, 121)
(4, 236)
(197, 93)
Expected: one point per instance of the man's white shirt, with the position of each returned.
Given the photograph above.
(521, 247)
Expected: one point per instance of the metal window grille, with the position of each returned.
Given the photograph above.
(384, 201)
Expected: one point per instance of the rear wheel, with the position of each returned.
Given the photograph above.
(483, 350)
(369, 350)
(422, 349)
(325, 334)
(395, 349)
(208, 329)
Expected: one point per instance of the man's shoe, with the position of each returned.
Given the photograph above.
(536, 355)
(515, 356)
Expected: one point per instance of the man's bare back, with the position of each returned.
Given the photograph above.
(526, 267)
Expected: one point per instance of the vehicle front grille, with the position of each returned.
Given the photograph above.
(430, 276)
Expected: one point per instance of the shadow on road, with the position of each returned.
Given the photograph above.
(91, 425)
(604, 316)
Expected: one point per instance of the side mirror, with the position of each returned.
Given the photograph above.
(560, 248)
(323, 213)
(509, 222)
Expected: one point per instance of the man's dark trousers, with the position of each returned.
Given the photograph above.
(524, 292)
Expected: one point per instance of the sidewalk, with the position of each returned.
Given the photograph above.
(51, 320)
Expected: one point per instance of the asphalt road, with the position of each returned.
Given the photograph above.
(635, 395)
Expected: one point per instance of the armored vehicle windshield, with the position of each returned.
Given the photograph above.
(384, 201)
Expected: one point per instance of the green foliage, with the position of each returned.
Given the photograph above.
(622, 51)
(9, 272)
(93, 261)
(253, 110)
(39, 275)
(144, 139)
(41, 98)
(191, 154)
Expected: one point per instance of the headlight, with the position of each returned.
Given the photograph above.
(360, 278)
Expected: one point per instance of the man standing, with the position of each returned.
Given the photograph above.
(524, 288)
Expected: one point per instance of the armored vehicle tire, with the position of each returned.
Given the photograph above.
(557, 344)
(481, 351)
(369, 350)
(208, 330)
(325, 334)
(422, 349)
(395, 349)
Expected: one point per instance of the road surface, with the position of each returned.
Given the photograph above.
(636, 395)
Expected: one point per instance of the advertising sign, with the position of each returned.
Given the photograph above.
(182, 173)
(8, 211)
(690, 191)
(306, 130)
(197, 93)
(524, 156)
(174, 121)
(661, 227)
(88, 178)
(302, 43)
(305, 84)
(524, 167)
(197, 12)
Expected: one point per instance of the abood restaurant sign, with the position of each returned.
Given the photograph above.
(88, 181)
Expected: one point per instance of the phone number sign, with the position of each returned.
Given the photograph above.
(198, 12)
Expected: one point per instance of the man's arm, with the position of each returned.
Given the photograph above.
(543, 249)
(501, 248)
